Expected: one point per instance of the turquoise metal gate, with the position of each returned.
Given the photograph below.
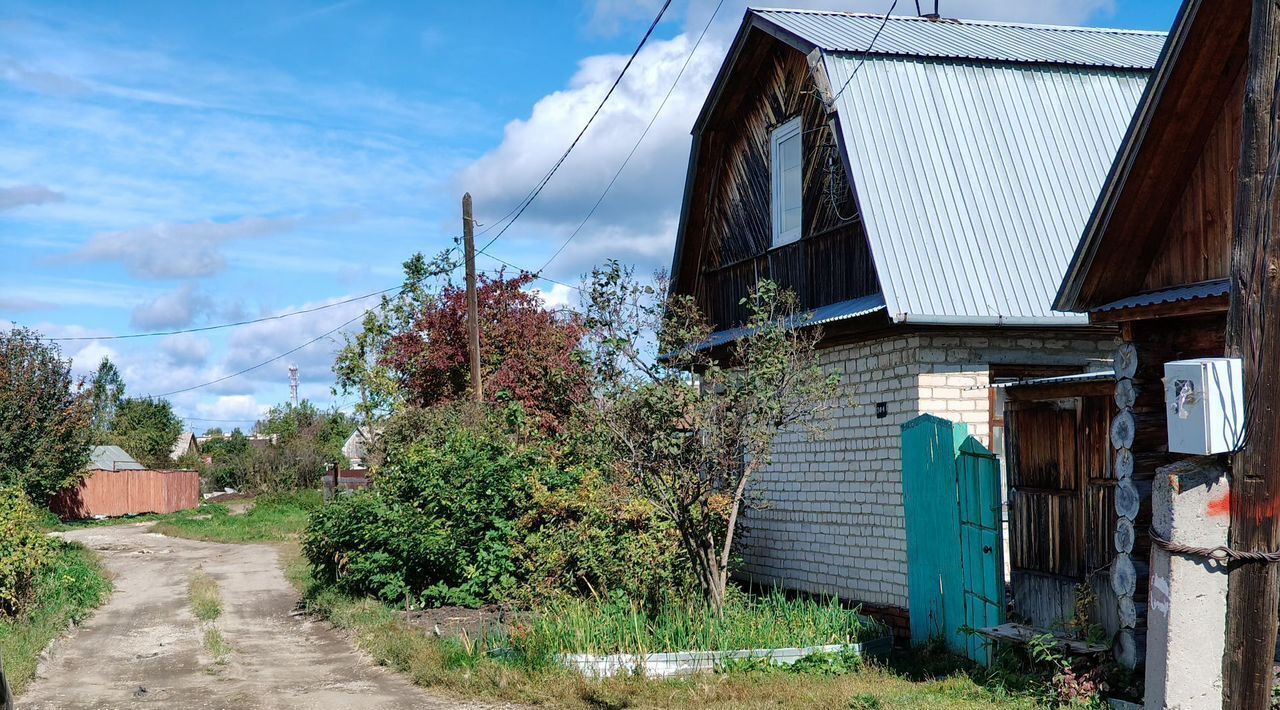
(951, 493)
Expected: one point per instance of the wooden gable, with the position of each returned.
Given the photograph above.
(1165, 215)
(727, 230)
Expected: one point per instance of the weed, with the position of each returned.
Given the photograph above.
(202, 594)
(67, 590)
(273, 518)
(216, 646)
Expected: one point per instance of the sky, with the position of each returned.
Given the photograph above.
(170, 165)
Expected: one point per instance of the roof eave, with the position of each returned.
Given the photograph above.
(1065, 321)
(1069, 291)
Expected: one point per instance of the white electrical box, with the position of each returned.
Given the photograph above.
(1204, 401)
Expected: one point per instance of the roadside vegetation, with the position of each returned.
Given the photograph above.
(277, 517)
(46, 585)
(206, 605)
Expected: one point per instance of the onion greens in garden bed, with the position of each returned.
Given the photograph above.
(618, 625)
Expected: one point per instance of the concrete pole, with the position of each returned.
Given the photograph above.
(1187, 603)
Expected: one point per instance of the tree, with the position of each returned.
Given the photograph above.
(147, 429)
(693, 430)
(106, 390)
(306, 440)
(528, 353)
(359, 367)
(45, 417)
(231, 458)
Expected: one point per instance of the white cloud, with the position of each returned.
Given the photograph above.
(177, 250)
(186, 349)
(176, 309)
(22, 195)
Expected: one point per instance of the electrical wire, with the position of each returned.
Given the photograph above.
(236, 324)
(533, 195)
(870, 45)
(639, 140)
(264, 363)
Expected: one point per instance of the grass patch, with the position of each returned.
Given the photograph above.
(748, 622)
(460, 666)
(273, 518)
(68, 590)
(202, 594)
(216, 646)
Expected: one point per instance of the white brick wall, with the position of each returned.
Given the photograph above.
(832, 517)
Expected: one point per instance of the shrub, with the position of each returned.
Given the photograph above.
(24, 550)
(483, 509)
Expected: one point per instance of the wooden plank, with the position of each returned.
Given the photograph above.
(1022, 634)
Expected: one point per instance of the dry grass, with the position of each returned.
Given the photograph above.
(203, 596)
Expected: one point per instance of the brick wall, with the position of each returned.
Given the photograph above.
(832, 516)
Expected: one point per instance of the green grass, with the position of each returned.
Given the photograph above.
(460, 667)
(68, 590)
(747, 622)
(216, 646)
(203, 596)
(272, 518)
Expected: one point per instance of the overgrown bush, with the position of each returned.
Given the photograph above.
(482, 509)
(24, 550)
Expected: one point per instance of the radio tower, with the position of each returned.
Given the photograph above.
(293, 384)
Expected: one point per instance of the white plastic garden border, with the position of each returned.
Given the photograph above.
(687, 663)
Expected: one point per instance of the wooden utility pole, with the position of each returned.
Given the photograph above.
(1252, 596)
(473, 322)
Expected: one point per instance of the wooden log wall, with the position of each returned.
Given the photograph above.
(731, 220)
(1140, 442)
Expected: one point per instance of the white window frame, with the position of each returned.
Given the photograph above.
(781, 133)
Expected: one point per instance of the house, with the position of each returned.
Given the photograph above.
(356, 447)
(1155, 259)
(922, 199)
(185, 444)
(112, 458)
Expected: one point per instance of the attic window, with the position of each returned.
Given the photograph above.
(787, 181)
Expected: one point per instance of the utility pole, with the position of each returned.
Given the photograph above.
(473, 323)
(1254, 587)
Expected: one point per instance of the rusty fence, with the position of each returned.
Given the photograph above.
(112, 493)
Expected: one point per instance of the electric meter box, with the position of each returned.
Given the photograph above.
(1204, 404)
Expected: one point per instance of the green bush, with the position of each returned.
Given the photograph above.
(480, 510)
(24, 550)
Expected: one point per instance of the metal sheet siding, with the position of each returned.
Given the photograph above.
(1190, 292)
(968, 39)
(975, 180)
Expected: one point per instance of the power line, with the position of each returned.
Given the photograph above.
(870, 45)
(533, 195)
(264, 362)
(639, 140)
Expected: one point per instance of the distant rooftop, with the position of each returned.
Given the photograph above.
(971, 39)
(112, 458)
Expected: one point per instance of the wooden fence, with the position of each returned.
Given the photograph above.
(112, 493)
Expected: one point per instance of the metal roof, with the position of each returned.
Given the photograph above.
(831, 313)
(112, 458)
(1190, 292)
(970, 39)
(975, 180)
(1056, 380)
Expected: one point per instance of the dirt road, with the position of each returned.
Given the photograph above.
(145, 648)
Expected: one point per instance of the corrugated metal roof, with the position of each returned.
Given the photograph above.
(831, 313)
(969, 39)
(112, 458)
(1057, 380)
(1190, 292)
(975, 180)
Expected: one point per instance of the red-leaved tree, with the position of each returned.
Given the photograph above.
(528, 353)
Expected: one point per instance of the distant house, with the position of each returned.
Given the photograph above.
(186, 444)
(112, 458)
(356, 447)
(923, 200)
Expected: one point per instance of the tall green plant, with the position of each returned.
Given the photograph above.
(147, 429)
(694, 427)
(106, 389)
(44, 417)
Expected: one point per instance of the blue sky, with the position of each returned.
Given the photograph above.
(172, 164)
